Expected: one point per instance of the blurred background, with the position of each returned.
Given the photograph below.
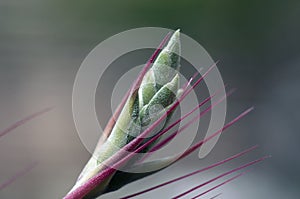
(43, 42)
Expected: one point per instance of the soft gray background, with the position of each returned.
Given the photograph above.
(43, 42)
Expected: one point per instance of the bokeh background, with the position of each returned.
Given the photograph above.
(43, 42)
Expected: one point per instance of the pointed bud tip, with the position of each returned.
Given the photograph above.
(175, 79)
(174, 43)
(173, 84)
(176, 35)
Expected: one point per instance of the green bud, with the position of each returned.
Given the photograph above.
(157, 92)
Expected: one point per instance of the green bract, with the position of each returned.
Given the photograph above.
(157, 92)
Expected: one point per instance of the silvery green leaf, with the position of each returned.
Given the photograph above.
(157, 92)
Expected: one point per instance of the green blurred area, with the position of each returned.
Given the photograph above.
(261, 33)
(248, 25)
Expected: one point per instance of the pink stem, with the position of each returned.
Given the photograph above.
(216, 196)
(200, 143)
(18, 175)
(220, 176)
(23, 121)
(192, 173)
(219, 185)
